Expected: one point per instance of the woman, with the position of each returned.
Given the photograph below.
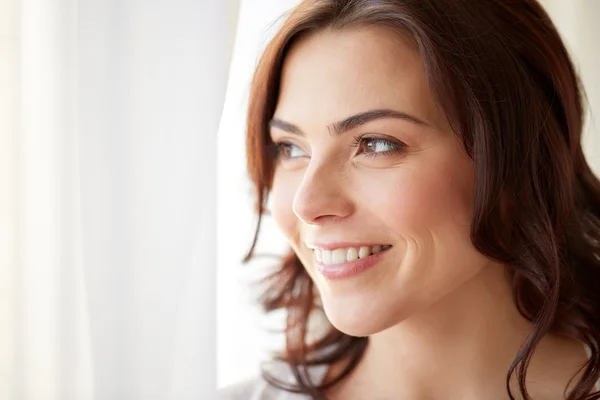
(424, 160)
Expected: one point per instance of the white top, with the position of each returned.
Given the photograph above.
(259, 389)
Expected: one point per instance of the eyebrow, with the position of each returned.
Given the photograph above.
(354, 121)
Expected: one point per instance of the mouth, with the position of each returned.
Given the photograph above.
(347, 254)
(344, 262)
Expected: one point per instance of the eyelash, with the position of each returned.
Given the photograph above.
(398, 147)
(275, 149)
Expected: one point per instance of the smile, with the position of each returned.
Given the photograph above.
(345, 262)
(346, 254)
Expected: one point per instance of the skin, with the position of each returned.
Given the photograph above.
(435, 309)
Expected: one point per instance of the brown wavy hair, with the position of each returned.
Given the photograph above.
(502, 75)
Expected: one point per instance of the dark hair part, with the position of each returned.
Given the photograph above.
(502, 74)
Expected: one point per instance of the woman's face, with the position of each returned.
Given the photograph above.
(372, 189)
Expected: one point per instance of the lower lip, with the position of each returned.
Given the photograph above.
(350, 268)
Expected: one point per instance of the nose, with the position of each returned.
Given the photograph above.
(322, 195)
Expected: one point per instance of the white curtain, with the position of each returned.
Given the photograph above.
(243, 337)
(109, 112)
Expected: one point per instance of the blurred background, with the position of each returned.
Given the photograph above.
(121, 154)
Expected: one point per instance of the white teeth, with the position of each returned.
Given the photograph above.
(352, 254)
(338, 256)
(318, 255)
(365, 251)
(326, 257)
(341, 255)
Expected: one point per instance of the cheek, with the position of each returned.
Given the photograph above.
(280, 205)
(417, 200)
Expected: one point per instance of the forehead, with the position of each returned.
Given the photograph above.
(331, 74)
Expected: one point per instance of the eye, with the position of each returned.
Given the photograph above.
(287, 151)
(374, 146)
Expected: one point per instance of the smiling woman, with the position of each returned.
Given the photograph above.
(424, 161)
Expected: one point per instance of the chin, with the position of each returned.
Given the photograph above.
(358, 317)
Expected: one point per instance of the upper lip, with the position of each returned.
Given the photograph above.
(339, 245)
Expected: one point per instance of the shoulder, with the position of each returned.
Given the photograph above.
(259, 389)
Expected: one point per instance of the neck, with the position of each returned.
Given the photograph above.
(461, 347)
